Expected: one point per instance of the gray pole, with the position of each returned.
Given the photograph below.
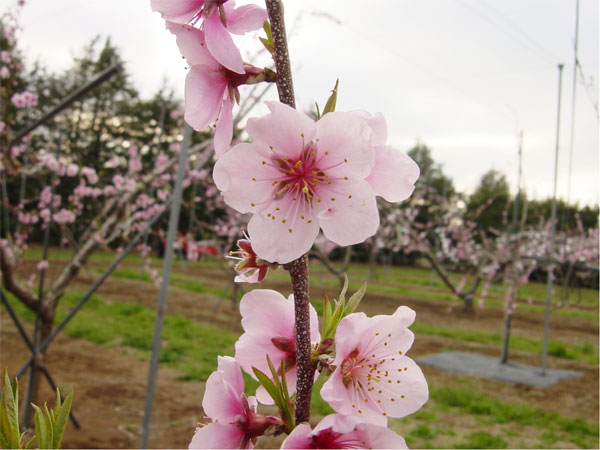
(552, 228)
(161, 125)
(575, 66)
(162, 298)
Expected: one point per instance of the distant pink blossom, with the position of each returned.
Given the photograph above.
(337, 431)
(268, 322)
(235, 423)
(72, 170)
(5, 56)
(298, 176)
(24, 99)
(210, 88)
(42, 265)
(374, 379)
(4, 72)
(123, 184)
(90, 174)
(64, 216)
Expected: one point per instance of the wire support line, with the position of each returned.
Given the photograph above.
(524, 43)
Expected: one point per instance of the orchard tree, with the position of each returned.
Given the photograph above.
(492, 196)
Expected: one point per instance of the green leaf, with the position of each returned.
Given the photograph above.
(332, 100)
(318, 111)
(342, 298)
(285, 394)
(355, 299)
(266, 382)
(326, 316)
(62, 417)
(11, 408)
(40, 428)
(29, 442)
(49, 426)
(274, 373)
(268, 41)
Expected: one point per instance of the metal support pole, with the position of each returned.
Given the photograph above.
(97, 284)
(552, 228)
(162, 299)
(573, 98)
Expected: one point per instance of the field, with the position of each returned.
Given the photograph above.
(103, 355)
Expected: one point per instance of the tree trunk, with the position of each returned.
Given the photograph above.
(35, 374)
(506, 336)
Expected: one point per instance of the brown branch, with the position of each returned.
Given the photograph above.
(298, 269)
(285, 85)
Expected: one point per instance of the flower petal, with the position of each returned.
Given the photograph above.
(220, 44)
(346, 138)
(352, 217)
(192, 45)
(393, 175)
(245, 18)
(378, 126)
(242, 178)
(300, 437)
(285, 129)
(408, 387)
(180, 11)
(378, 436)
(272, 239)
(204, 89)
(222, 397)
(217, 435)
(224, 129)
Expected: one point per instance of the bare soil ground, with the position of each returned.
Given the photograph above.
(110, 383)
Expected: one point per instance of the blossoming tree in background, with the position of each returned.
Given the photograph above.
(296, 178)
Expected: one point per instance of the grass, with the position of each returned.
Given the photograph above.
(187, 346)
(584, 352)
(491, 411)
(430, 427)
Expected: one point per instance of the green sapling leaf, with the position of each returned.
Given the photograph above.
(270, 387)
(62, 416)
(332, 100)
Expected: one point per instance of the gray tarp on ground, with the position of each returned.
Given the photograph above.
(492, 368)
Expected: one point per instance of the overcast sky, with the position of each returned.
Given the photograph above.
(462, 76)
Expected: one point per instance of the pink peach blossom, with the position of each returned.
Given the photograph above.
(374, 379)
(298, 176)
(210, 88)
(268, 322)
(220, 19)
(337, 431)
(390, 164)
(250, 268)
(235, 423)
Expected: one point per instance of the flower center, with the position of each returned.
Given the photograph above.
(301, 177)
(326, 439)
